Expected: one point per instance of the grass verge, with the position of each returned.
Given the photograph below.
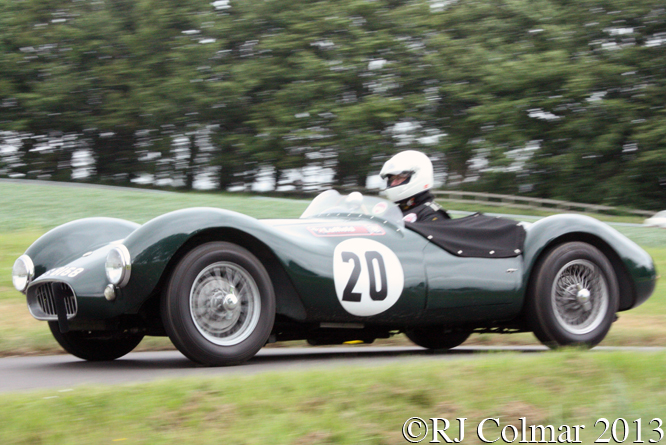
(324, 407)
(44, 206)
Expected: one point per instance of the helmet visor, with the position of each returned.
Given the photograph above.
(399, 179)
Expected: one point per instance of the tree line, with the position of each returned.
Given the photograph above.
(549, 98)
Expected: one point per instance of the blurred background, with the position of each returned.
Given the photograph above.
(544, 98)
(555, 99)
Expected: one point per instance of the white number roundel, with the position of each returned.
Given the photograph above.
(368, 276)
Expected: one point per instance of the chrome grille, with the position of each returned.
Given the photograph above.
(41, 301)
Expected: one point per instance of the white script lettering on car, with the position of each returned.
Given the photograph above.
(70, 272)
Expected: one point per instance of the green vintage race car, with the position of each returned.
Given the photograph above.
(221, 284)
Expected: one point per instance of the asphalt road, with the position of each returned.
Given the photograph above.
(64, 372)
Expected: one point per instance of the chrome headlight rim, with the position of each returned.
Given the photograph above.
(125, 260)
(29, 267)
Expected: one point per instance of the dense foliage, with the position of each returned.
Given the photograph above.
(551, 98)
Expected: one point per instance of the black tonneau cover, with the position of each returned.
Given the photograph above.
(477, 235)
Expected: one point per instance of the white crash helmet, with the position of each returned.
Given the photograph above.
(417, 166)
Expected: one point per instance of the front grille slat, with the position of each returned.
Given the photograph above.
(43, 305)
(70, 304)
(46, 300)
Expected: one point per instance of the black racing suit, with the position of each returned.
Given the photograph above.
(421, 208)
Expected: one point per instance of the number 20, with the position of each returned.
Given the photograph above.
(370, 257)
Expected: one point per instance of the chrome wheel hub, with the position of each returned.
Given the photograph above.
(580, 297)
(230, 302)
(583, 297)
(225, 303)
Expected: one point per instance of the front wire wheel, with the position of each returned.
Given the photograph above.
(219, 305)
(573, 296)
(225, 303)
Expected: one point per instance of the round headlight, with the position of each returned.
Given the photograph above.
(23, 272)
(118, 265)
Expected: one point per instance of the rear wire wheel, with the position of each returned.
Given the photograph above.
(573, 296)
(219, 305)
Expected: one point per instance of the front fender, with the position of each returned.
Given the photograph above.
(154, 244)
(65, 243)
(636, 262)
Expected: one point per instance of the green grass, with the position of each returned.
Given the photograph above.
(646, 237)
(44, 206)
(28, 210)
(336, 406)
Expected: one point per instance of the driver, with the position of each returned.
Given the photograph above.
(409, 177)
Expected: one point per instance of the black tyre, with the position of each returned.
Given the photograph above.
(573, 296)
(96, 346)
(219, 305)
(437, 337)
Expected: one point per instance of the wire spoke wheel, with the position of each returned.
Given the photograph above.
(580, 297)
(225, 303)
(219, 305)
(573, 296)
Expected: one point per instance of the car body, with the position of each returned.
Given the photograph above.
(222, 284)
(657, 220)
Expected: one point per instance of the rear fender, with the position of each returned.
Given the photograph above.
(633, 266)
